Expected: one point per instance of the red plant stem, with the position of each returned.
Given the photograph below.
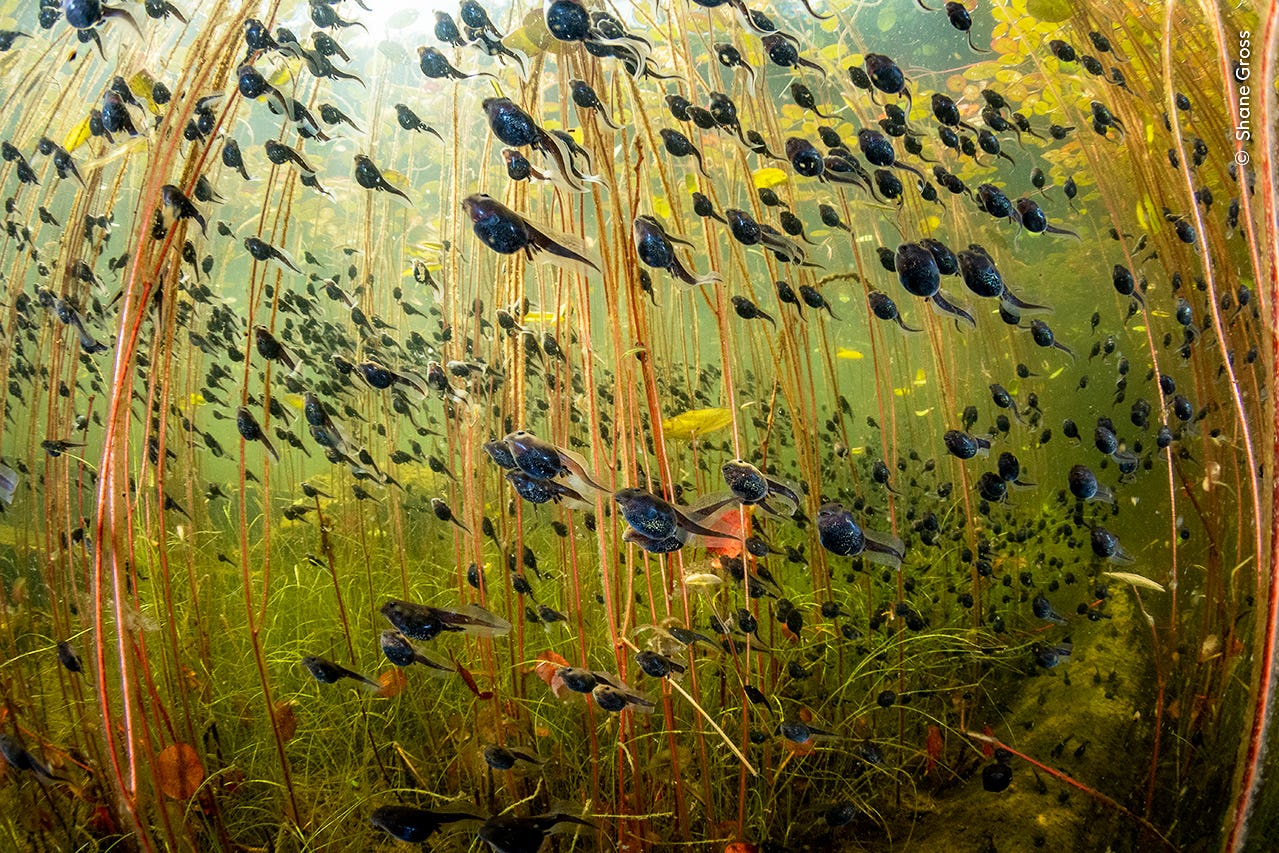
(1250, 779)
(327, 547)
(137, 296)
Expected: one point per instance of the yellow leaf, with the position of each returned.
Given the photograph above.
(1006, 14)
(77, 136)
(849, 354)
(533, 37)
(921, 378)
(140, 84)
(1146, 213)
(661, 207)
(696, 422)
(1051, 11)
(286, 72)
(769, 176)
(396, 179)
(426, 250)
(922, 413)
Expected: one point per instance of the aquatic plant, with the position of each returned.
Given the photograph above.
(705, 425)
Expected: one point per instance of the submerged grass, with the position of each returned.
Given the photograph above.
(190, 609)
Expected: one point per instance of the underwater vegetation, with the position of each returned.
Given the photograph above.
(719, 425)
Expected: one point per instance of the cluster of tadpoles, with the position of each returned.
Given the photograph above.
(542, 473)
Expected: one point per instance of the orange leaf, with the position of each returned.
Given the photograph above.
(178, 771)
(558, 688)
(547, 669)
(393, 682)
(286, 719)
(731, 544)
(548, 663)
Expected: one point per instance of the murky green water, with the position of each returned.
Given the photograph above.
(225, 462)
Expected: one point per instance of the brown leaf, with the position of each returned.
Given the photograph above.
(178, 771)
(286, 719)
